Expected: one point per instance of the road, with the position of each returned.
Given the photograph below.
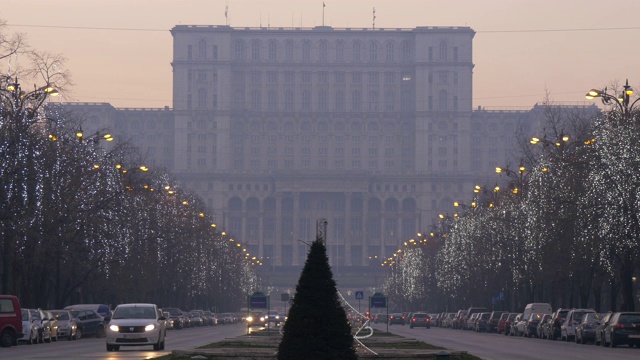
(500, 347)
(93, 349)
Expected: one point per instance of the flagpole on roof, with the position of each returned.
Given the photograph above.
(323, 6)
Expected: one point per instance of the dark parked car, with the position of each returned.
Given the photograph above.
(494, 318)
(175, 316)
(101, 309)
(89, 322)
(586, 329)
(420, 320)
(396, 319)
(623, 329)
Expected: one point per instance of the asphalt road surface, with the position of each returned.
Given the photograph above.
(500, 347)
(94, 349)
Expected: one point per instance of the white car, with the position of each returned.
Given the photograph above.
(135, 325)
(30, 328)
(568, 327)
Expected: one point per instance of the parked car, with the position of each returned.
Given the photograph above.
(481, 322)
(210, 318)
(30, 328)
(420, 320)
(623, 329)
(492, 322)
(53, 325)
(501, 328)
(45, 326)
(471, 322)
(67, 326)
(599, 331)
(568, 328)
(135, 325)
(196, 318)
(517, 325)
(586, 329)
(557, 319)
(544, 322)
(10, 320)
(447, 321)
(509, 323)
(459, 319)
(396, 319)
(470, 311)
(531, 325)
(88, 322)
(227, 318)
(101, 309)
(176, 317)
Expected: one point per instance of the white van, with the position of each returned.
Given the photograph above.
(536, 308)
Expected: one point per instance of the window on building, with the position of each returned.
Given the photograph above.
(272, 100)
(306, 50)
(306, 100)
(202, 49)
(340, 50)
(239, 50)
(390, 51)
(273, 51)
(373, 50)
(356, 51)
(339, 101)
(323, 101)
(442, 100)
(443, 50)
(288, 50)
(323, 50)
(255, 50)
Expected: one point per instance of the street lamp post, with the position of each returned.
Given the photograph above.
(622, 102)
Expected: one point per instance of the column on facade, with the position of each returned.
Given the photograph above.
(261, 229)
(348, 241)
(296, 235)
(277, 251)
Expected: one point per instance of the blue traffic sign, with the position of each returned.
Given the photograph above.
(359, 295)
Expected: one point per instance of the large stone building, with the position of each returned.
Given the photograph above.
(371, 129)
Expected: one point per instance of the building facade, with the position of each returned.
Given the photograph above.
(370, 129)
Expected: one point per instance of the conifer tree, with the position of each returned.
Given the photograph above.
(317, 327)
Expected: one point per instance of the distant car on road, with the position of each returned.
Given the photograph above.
(420, 320)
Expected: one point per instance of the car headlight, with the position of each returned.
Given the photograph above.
(249, 319)
(277, 317)
(114, 328)
(262, 318)
(149, 327)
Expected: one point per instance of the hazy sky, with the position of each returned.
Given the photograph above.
(119, 51)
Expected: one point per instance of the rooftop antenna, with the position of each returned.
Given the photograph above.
(226, 14)
(323, 6)
(374, 17)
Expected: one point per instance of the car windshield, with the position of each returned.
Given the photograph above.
(577, 316)
(61, 316)
(134, 312)
(25, 314)
(419, 316)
